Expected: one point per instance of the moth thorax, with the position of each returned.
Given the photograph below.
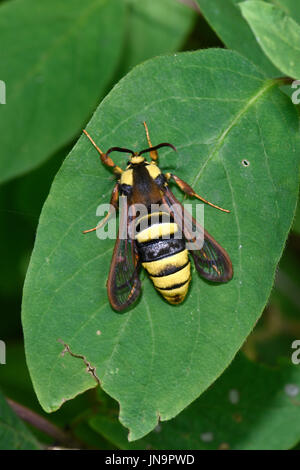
(137, 159)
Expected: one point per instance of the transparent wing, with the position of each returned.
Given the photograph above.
(211, 260)
(123, 284)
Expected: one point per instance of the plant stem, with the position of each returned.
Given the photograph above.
(43, 425)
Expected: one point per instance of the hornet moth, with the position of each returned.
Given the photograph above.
(166, 260)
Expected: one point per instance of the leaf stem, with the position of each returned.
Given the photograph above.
(285, 80)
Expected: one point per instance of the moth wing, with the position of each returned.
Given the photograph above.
(123, 285)
(211, 260)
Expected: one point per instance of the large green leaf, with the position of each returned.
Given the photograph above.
(231, 128)
(56, 60)
(277, 33)
(225, 18)
(250, 407)
(14, 435)
(154, 27)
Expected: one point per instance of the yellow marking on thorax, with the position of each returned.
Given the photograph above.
(156, 231)
(137, 159)
(172, 279)
(153, 170)
(127, 177)
(156, 267)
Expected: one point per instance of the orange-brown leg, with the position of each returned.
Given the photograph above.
(104, 158)
(153, 153)
(114, 202)
(186, 188)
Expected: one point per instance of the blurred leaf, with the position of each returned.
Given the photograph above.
(290, 7)
(286, 294)
(155, 27)
(156, 358)
(225, 18)
(21, 201)
(14, 241)
(86, 434)
(31, 190)
(279, 326)
(66, 54)
(296, 225)
(14, 379)
(14, 435)
(249, 407)
(277, 33)
(270, 342)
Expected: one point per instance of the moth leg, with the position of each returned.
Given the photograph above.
(114, 202)
(187, 189)
(104, 158)
(153, 153)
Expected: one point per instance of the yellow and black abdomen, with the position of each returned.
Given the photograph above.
(162, 251)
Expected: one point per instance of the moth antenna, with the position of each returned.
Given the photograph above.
(164, 144)
(119, 149)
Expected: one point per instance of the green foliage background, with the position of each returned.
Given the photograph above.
(168, 375)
